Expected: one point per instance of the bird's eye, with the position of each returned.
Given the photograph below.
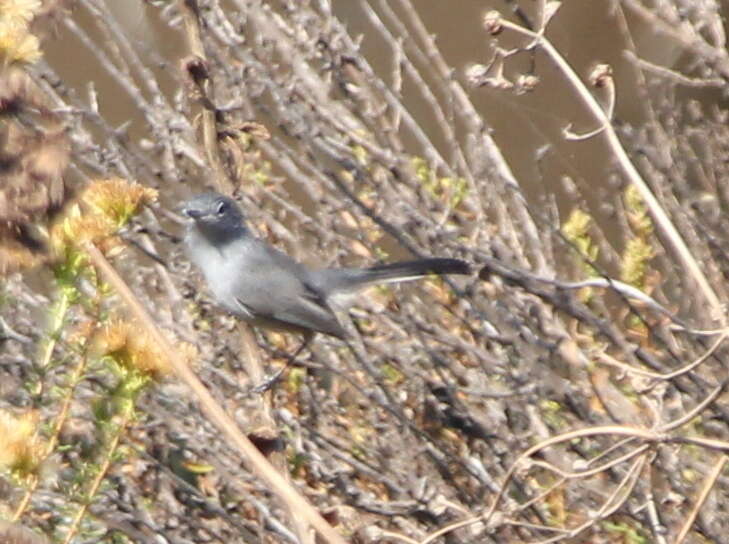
(222, 208)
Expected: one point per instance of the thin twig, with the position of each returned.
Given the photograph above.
(190, 11)
(60, 420)
(100, 475)
(696, 410)
(672, 75)
(629, 169)
(611, 361)
(708, 485)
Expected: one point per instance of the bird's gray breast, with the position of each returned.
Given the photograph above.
(215, 264)
(246, 276)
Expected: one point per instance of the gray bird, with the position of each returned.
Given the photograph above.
(266, 287)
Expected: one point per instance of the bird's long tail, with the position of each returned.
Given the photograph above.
(347, 279)
(411, 270)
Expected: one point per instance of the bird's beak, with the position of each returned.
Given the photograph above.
(190, 212)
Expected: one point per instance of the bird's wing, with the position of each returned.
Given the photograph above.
(273, 289)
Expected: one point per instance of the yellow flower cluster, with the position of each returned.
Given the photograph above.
(17, 44)
(21, 450)
(133, 347)
(117, 199)
(109, 204)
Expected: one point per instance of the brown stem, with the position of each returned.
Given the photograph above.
(708, 485)
(257, 462)
(631, 172)
(103, 469)
(190, 11)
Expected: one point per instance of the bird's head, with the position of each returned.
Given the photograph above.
(216, 216)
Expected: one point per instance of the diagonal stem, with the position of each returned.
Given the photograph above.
(258, 463)
(628, 168)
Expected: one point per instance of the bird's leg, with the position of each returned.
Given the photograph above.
(269, 382)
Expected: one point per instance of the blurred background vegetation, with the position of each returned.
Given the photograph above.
(571, 390)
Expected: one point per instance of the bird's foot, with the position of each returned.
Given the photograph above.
(269, 382)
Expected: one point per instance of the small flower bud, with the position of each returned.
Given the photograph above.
(600, 75)
(492, 22)
(475, 74)
(526, 83)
